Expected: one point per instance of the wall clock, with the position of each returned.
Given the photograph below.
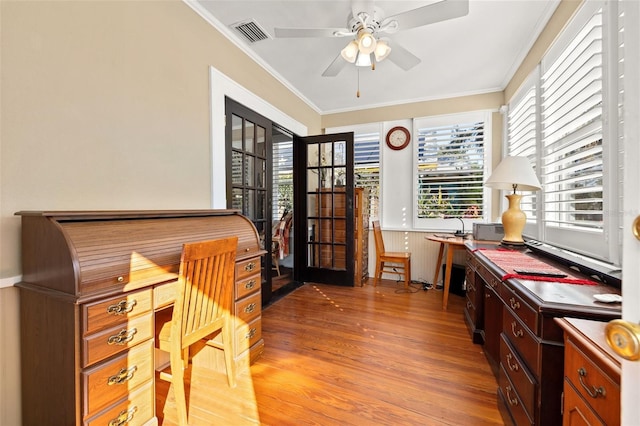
(398, 138)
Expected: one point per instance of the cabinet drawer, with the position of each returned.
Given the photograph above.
(247, 334)
(491, 280)
(136, 410)
(246, 286)
(107, 313)
(512, 400)
(521, 309)
(522, 340)
(165, 294)
(576, 410)
(117, 339)
(112, 381)
(595, 387)
(249, 308)
(247, 267)
(518, 374)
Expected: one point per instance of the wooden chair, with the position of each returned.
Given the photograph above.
(390, 262)
(202, 308)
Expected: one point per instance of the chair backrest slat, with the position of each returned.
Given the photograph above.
(377, 233)
(206, 287)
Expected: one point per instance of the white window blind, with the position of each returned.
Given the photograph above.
(367, 167)
(450, 168)
(572, 133)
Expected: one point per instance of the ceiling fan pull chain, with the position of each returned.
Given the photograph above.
(358, 92)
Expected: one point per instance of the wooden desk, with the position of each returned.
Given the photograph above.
(93, 286)
(451, 243)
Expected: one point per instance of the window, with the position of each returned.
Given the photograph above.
(575, 146)
(282, 178)
(367, 167)
(450, 160)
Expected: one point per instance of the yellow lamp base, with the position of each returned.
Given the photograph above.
(513, 222)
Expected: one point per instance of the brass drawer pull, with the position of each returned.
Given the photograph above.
(122, 338)
(468, 304)
(594, 392)
(518, 333)
(512, 401)
(250, 266)
(514, 303)
(250, 308)
(250, 284)
(124, 417)
(251, 334)
(122, 307)
(123, 376)
(514, 366)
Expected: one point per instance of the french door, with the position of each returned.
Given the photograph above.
(323, 189)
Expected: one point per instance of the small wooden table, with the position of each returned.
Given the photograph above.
(452, 243)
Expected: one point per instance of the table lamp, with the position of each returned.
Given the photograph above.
(514, 173)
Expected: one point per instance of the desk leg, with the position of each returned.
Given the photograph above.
(435, 276)
(447, 278)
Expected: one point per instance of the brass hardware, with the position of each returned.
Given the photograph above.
(124, 417)
(248, 249)
(487, 295)
(250, 308)
(251, 333)
(597, 391)
(122, 307)
(122, 338)
(512, 401)
(636, 227)
(468, 304)
(250, 284)
(250, 266)
(513, 367)
(120, 279)
(518, 333)
(514, 303)
(123, 376)
(624, 338)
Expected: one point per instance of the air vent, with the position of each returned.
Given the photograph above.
(251, 31)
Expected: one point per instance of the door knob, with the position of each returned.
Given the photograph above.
(624, 338)
(636, 227)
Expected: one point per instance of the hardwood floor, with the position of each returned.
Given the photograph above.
(354, 356)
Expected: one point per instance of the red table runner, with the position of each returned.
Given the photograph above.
(509, 260)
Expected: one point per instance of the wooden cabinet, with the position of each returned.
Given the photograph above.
(361, 217)
(591, 375)
(515, 322)
(93, 283)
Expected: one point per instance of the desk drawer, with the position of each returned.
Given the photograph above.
(165, 294)
(246, 286)
(136, 410)
(509, 394)
(598, 389)
(249, 308)
(117, 339)
(246, 268)
(518, 374)
(521, 339)
(109, 312)
(247, 334)
(521, 309)
(112, 381)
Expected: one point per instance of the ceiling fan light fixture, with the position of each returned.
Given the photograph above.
(350, 52)
(382, 50)
(366, 42)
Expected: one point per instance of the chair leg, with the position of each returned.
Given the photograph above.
(230, 364)
(407, 273)
(378, 273)
(177, 379)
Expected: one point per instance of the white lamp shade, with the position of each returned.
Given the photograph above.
(350, 52)
(382, 50)
(363, 60)
(514, 171)
(366, 42)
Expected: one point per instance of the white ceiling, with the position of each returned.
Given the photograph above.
(473, 54)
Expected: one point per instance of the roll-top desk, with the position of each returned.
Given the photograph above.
(91, 286)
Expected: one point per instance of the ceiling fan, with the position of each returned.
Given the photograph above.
(366, 23)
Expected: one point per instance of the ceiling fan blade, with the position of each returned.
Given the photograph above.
(335, 67)
(403, 58)
(310, 32)
(430, 14)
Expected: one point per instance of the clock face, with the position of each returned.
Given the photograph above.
(398, 138)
